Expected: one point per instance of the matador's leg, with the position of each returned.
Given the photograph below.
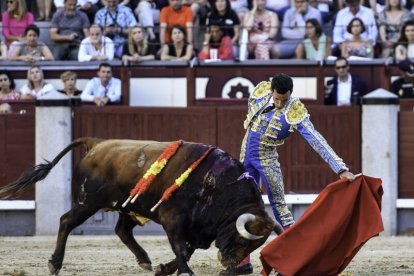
(272, 177)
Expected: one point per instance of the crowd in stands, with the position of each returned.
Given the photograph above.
(140, 30)
(258, 29)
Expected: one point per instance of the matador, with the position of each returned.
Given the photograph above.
(272, 116)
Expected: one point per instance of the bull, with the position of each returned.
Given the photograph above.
(217, 202)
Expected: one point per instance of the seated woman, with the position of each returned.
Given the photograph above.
(179, 49)
(262, 26)
(7, 92)
(215, 40)
(15, 20)
(405, 46)
(357, 45)
(69, 84)
(227, 18)
(316, 46)
(36, 85)
(31, 50)
(138, 48)
(390, 21)
(7, 87)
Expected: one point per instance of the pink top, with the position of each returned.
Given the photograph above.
(12, 95)
(13, 27)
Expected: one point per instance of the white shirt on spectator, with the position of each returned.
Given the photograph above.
(61, 3)
(87, 50)
(94, 88)
(344, 91)
(47, 88)
(345, 16)
(294, 23)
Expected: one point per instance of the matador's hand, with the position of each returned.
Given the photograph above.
(347, 176)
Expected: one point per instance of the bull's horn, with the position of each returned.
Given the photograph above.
(241, 226)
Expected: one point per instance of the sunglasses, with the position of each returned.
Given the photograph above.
(341, 67)
(10, 2)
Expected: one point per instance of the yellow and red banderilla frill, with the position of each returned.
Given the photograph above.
(156, 168)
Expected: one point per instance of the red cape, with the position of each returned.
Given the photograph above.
(331, 231)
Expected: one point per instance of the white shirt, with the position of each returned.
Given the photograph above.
(94, 88)
(61, 3)
(87, 50)
(345, 16)
(344, 91)
(47, 88)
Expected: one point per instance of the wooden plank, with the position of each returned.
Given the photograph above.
(406, 155)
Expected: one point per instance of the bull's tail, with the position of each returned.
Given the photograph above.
(39, 172)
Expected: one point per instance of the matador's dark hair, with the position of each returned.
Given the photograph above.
(282, 83)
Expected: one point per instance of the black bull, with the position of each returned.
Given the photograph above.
(214, 203)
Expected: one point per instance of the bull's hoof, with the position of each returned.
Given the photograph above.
(241, 270)
(53, 270)
(146, 266)
(160, 270)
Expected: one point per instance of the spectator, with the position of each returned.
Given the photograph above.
(89, 7)
(344, 89)
(96, 46)
(69, 84)
(317, 46)
(103, 89)
(390, 21)
(357, 45)
(69, 27)
(148, 15)
(179, 48)
(223, 15)
(345, 15)
(214, 39)
(8, 87)
(138, 48)
(262, 26)
(116, 19)
(404, 85)
(293, 28)
(175, 15)
(32, 50)
(15, 20)
(36, 86)
(405, 45)
(44, 8)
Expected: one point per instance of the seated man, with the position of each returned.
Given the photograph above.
(116, 19)
(294, 28)
(96, 46)
(103, 89)
(344, 89)
(69, 27)
(404, 85)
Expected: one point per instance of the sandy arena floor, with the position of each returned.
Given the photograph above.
(106, 255)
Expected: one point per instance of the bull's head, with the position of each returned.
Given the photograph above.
(251, 232)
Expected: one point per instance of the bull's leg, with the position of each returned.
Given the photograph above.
(124, 229)
(171, 267)
(68, 221)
